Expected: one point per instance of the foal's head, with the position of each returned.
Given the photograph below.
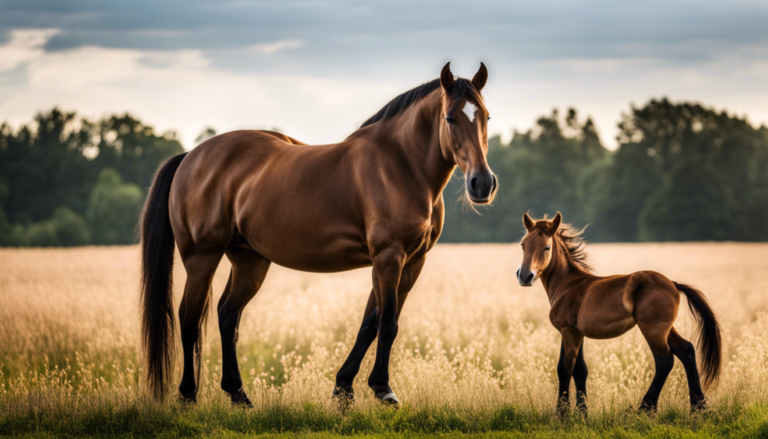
(537, 247)
(464, 132)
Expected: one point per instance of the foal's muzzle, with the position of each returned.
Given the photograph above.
(481, 186)
(525, 279)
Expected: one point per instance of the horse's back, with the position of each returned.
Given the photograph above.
(210, 178)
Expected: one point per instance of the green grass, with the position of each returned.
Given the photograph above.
(147, 419)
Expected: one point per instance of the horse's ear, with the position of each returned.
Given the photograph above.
(528, 222)
(480, 77)
(446, 77)
(556, 222)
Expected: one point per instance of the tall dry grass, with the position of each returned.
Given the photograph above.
(472, 346)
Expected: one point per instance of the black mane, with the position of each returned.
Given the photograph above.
(460, 88)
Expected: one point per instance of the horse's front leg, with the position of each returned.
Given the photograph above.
(569, 351)
(388, 266)
(365, 336)
(369, 327)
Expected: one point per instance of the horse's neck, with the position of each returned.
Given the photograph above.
(560, 272)
(415, 132)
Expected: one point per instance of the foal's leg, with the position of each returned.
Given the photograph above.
(388, 265)
(569, 352)
(368, 329)
(686, 353)
(656, 336)
(248, 272)
(200, 269)
(580, 373)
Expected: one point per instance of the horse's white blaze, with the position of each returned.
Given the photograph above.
(470, 110)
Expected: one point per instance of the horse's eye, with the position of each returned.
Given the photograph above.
(449, 120)
(489, 117)
(547, 248)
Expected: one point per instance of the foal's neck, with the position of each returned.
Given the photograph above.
(561, 272)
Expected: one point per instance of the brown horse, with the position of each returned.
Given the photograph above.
(260, 197)
(585, 305)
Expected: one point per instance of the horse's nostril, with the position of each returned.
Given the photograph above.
(473, 183)
(529, 278)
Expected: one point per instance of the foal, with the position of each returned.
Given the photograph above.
(585, 305)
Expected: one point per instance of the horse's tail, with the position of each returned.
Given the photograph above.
(709, 342)
(157, 247)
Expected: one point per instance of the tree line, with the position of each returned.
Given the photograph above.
(681, 172)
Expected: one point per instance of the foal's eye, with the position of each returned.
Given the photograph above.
(489, 117)
(547, 248)
(449, 120)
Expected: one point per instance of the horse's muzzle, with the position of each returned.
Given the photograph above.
(481, 186)
(526, 280)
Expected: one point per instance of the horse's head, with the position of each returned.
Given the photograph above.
(464, 132)
(537, 247)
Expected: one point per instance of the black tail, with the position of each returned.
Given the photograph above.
(157, 247)
(709, 334)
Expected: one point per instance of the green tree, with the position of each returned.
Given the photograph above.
(113, 209)
(693, 204)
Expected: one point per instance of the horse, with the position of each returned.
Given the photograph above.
(261, 197)
(586, 305)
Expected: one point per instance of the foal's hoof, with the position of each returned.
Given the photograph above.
(388, 398)
(240, 399)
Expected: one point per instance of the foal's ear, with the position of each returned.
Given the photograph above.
(528, 222)
(446, 77)
(480, 77)
(556, 222)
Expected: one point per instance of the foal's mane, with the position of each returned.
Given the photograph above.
(573, 243)
(461, 87)
(575, 246)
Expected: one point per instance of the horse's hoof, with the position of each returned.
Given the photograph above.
(188, 400)
(388, 398)
(649, 409)
(344, 394)
(698, 407)
(240, 399)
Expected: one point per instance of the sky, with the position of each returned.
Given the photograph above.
(317, 69)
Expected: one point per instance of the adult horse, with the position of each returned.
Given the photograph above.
(260, 197)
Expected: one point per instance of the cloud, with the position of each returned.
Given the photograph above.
(237, 64)
(25, 45)
(270, 48)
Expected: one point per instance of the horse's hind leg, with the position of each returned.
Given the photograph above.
(200, 269)
(686, 353)
(656, 336)
(248, 272)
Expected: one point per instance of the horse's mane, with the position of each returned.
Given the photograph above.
(573, 241)
(461, 87)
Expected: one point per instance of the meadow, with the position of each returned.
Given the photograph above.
(475, 354)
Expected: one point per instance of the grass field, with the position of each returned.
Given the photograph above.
(476, 353)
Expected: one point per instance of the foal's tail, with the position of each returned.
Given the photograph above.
(709, 333)
(157, 247)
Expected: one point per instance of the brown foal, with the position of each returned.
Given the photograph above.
(585, 305)
(260, 197)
